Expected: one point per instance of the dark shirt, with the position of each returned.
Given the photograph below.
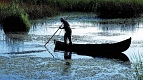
(67, 27)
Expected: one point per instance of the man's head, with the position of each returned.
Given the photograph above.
(62, 19)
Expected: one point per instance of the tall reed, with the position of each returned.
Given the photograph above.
(65, 5)
(104, 8)
(12, 16)
(120, 8)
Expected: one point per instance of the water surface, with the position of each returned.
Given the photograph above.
(23, 56)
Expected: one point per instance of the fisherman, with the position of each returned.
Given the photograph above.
(68, 31)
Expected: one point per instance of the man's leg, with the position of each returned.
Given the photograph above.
(69, 37)
(65, 38)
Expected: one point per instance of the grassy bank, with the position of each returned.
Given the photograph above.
(120, 8)
(35, 9)
(65, 5)
(13, 18)
(105, 8)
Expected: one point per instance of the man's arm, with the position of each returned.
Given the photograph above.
(61, 27)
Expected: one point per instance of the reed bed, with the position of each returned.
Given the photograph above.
(36, 9)
(105, 8)
(13, 17)
(65, 5)
(9, 10)
(120, 8)
(37, 12)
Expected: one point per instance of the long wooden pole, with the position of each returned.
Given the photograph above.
(55, 33)
(52, 36)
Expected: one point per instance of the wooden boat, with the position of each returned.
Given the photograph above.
(94, 49)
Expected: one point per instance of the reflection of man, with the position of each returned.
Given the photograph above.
(67, 55)
(68, 31)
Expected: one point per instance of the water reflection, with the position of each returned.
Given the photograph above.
(15, 41)
(66, 67)
(67, 55)
(86, 29)
(124, 27)
(87, 26)
(118, 56)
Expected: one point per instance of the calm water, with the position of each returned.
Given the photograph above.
(23, 56)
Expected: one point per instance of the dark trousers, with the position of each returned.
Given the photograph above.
(67, 36)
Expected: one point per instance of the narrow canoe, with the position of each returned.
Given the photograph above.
(92, 49)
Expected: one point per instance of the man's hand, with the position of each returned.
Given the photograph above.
(60, 27)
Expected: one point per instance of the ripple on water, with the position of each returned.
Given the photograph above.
(28, 67)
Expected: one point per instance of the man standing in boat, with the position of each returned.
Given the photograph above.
(68, 31)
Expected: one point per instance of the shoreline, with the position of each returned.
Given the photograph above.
(42, 9)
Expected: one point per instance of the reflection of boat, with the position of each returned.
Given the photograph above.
(119, 56)
(94, 49)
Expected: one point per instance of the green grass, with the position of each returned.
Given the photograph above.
(13, 17)
(9, 10)
(77, 5)
(120, 8)
(35, 9)
(105, 8)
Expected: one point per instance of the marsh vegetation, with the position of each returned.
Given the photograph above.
(104, 8)
(35, 9)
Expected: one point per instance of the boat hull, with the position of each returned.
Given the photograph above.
(92, 49)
